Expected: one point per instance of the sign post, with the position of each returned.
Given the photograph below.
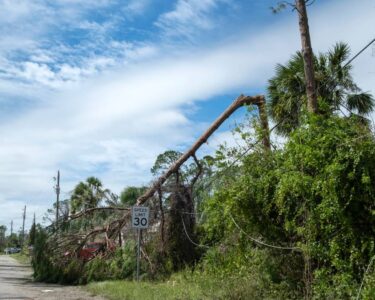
(139, 221)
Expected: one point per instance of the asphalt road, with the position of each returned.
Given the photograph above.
(16, 284)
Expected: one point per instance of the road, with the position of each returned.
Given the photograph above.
(16, 284)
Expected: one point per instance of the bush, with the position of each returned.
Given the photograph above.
(316, 194)
(119, 265)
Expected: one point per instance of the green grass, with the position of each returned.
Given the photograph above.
(182, 286)
(144, 290)
(21, 258)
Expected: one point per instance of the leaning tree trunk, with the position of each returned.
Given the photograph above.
(239, 102)
(113, 229)
(308, 59)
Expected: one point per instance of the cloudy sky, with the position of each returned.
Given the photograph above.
(99, 88)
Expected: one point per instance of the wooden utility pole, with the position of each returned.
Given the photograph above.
(308, 57)
(57, 197)
(11, 227)
(23, 226)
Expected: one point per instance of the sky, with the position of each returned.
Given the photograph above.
(100, 88)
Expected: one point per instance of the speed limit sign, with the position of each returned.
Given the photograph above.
(140, 217)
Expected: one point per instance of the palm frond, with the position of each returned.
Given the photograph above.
(362, 102)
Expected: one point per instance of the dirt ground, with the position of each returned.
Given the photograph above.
(16, 284)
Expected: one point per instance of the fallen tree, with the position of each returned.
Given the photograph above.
(242, 100)
(115, 218)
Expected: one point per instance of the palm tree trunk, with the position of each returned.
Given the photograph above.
(307, 52)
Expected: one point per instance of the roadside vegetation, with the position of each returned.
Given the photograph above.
(23, 258)
(284, 223)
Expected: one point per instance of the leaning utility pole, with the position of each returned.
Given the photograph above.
(23, 226)
(308, 56)
(57, 188)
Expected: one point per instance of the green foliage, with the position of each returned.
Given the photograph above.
(3, 229)
(164, 161)
(316, 194)
(87, 194)
(13, 240)
(50, 268)
(230, 276)
(32, 234)
(368, 290)
(130, 195)
(43, 267)
(121, 265)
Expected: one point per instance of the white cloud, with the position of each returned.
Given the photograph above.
(36, 40)
(188, 17)
(136, 7)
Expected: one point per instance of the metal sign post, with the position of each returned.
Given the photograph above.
(138, 251)
(139, 221)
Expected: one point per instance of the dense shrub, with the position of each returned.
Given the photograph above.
(120, 265)
(316, 194)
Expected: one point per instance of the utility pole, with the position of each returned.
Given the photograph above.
(308, 58)
(23, 226)
(11, 227)
(57, 188)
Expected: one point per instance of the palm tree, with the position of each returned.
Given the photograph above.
(335, 89)
(87, 194)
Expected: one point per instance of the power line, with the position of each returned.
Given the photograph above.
(363, 49)
(190, 240)
(260, 242)
(364, 276)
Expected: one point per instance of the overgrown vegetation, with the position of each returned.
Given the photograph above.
(295, 222)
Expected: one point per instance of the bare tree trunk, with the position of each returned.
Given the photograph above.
(264, 124)
(307, 52)
(240, 101)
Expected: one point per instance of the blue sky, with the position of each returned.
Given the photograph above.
(99, 88)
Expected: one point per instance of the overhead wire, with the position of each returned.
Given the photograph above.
(359, 53)
(189, 238)
(260, 242)
(364, 276)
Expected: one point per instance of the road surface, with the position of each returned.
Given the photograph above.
(16, 284)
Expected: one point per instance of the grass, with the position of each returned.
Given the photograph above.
(144, 290)
(178, 286)
(181, 286)
(21, 258)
